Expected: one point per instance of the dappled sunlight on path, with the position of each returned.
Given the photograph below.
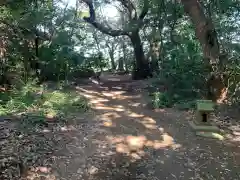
(121, 138)
(147, 144)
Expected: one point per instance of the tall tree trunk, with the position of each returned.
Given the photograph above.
(207, 37)
(3, 62)
(126, 65)
(155, 55)
(124, 56)
(36, 46)
(120, 64)
(36, 58)
(111, 54)
(141, 68)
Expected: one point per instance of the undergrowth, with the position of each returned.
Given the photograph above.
(167, 100)
(164, 96)
(38, 103)
(36, 106)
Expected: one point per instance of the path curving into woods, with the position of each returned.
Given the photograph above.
(123, 139)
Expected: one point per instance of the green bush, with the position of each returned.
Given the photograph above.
(37, 103)
(83, 72)
(183, 75)
(60, 103)
(161, 100)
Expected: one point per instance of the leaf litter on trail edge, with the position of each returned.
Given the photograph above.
(21, 150)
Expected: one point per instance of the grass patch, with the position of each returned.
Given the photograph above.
(41, 103)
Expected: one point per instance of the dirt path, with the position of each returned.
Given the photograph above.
(123, 139)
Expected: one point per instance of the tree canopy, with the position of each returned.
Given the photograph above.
(51, 40)
(59, 57)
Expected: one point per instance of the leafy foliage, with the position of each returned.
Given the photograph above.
(50, 41)
(161, 100)
(37, 103)
(183, 67)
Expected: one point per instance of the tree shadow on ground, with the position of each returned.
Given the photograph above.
(154, 145)
(30, 135)
(122, 139)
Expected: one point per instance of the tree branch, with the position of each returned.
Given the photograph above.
(19, 29)
(144, 10)
(99, 26)
(130, 7)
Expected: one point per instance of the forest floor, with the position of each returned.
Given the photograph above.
(122, 138)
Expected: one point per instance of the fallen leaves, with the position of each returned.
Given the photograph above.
(20, 150)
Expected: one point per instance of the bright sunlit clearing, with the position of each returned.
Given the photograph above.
(110, 11)
(107, 10)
